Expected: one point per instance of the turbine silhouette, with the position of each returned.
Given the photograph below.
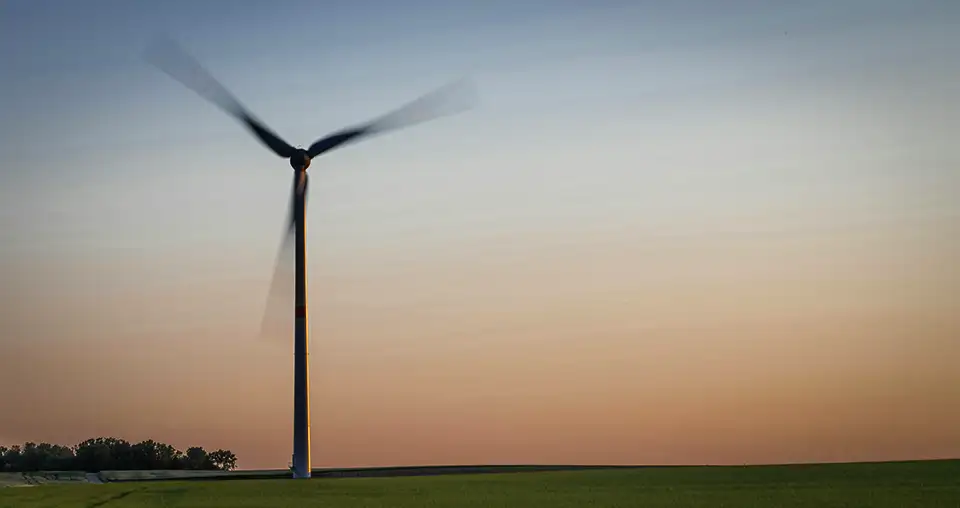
(169, 57)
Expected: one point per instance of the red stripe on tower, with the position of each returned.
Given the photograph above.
(301, 312)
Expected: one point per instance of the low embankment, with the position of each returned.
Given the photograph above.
(41, 478)
(53, 477)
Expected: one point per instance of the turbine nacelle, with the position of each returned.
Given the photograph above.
(300, 160)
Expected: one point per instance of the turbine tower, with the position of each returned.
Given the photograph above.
(170, 58)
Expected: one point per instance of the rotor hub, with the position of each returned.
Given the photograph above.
(300, 161)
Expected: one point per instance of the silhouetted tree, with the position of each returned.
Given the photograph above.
(3, 458)
(97, 454)
(223, 459)
(53, 457)
(13, 458)
(197, 458)
(107, 453)
(29, 458)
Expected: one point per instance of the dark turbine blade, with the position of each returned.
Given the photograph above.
(448, 100)
(170, 58)
(277, 316)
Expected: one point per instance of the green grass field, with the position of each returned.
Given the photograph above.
(921, 484)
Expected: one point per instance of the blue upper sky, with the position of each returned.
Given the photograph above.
(593, 112)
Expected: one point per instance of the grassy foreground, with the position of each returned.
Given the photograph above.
(902, 484)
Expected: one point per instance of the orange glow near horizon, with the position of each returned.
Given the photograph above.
(749, 351)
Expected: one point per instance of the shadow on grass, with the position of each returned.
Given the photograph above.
(115, 497)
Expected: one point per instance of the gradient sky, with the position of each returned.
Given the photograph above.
(671, 232)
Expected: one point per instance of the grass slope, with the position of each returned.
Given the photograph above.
(900, 484)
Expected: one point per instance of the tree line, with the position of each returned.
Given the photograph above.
(111, 454)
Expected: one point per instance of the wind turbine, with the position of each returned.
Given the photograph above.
(170, 58)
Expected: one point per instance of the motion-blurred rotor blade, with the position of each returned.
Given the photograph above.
(453, 98)
(277, 316)
(170, 58)
(303, 182)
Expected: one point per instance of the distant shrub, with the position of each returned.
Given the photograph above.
(108, 453)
